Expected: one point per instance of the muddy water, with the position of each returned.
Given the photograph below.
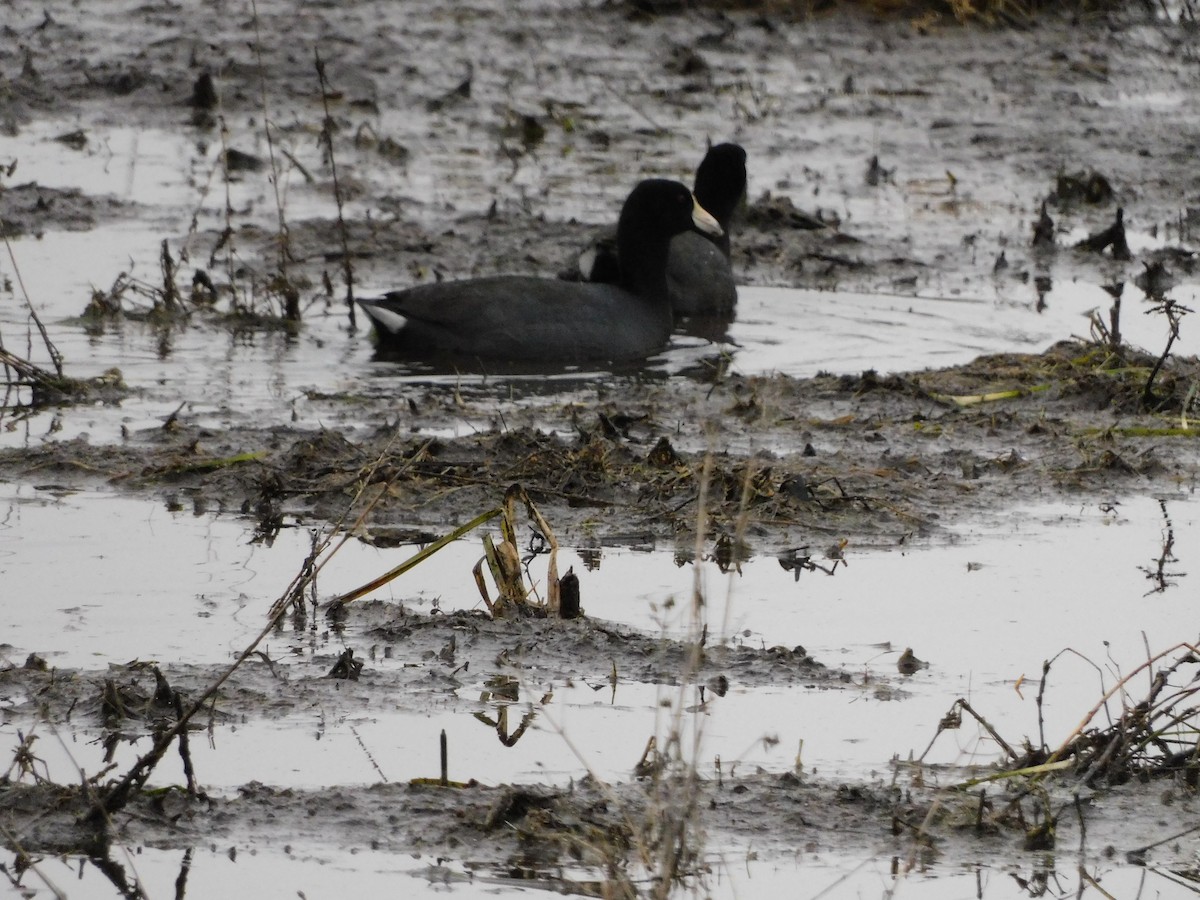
(970, 143)
(213, 871)
(207, 872)
(984, 611)
(262, 377)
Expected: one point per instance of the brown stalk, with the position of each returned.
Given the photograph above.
(118, 795)
(327, 138)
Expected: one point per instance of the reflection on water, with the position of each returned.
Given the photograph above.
(240, 870)
(233, 869)
(984, 611)
(1158, 574)
(262, 378)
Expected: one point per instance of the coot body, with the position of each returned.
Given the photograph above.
(522, 318)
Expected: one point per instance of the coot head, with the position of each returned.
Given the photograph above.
(721, 182)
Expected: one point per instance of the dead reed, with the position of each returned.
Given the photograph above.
(1126, 736)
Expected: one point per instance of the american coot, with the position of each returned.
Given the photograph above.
(519, 318)
(699, 277)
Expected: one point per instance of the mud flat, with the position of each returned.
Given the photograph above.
(858, 568)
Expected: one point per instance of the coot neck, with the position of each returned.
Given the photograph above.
(721, 204)
(643, 260)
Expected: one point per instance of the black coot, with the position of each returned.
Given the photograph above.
(699, 277)
(520, 318)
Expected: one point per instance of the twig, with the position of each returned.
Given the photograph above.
(414, 560)
(118, 795)
(291, 297)
(1174, 313)
(327, 137)
(1102, 703)
(55, 356)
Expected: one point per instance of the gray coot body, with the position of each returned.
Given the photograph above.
(519, 318)
(699, 276)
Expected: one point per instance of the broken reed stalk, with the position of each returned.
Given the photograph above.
(503, 561)
(677, 835)
(327, 140)
(1041, 695)
(207, 465)
(118, 795)
(170, 293)
(1114, 320)
(991, 397)
(1040, 769)
(226, 241)
(987, 726)
(508, 570)
(1108, 695)
(1173, 313)
(291, 296)
(33, 375)
(1041, 710)
(413, 560)
(55, 357)
(505, 567)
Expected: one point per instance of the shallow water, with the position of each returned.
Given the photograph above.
(242, 872)
(984, 610)
(985, 606)
(219, 871)
(264, 378)
(267, 378)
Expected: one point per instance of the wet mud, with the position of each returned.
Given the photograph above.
(774, 464)
(886, 154)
